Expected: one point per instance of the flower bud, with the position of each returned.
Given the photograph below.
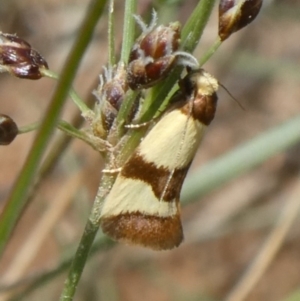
(153, 56)
(236, 14)
(115, 87)
(18, 58)
(110, 94)
(8, 130)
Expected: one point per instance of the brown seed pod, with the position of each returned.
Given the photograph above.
(159, 42)
(153, 56)
(236, 14)
(115, 86)
(18, 58)
(8, 130)
(110, 93)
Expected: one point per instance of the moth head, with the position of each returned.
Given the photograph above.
(204, 82)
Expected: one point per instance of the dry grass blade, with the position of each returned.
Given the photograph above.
(270, 248)
(40, 233)
(229, 202)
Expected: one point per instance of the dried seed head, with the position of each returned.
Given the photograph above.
(18, 58)
(110, 94)
(8, 130)
(161, 41)
(236, 14)
(153, 56)
(115, 86)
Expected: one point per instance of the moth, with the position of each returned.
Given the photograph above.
(143, 205)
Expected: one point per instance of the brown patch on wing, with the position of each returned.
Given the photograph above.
(157, 233)
(204, 108)
(157, 177)
(198, 88)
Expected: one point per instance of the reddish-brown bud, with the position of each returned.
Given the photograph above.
(110, 93)
(8, 130)
(18, 58)
(153, 56)
(159, 42)
(236, 14)
(115, 87)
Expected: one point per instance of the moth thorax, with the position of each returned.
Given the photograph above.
(205, 83)
(203, 89)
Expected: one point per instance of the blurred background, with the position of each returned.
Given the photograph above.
(224, 230)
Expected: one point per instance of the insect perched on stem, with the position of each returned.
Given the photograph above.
(143, 205)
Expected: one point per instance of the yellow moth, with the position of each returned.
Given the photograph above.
(143, 206)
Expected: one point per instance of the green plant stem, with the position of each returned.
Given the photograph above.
(16, 201)
(111, 34)
(125, 110)
(72, 93)
(30, 284)
(128, 39)
(210, 52)
(79, 261)
(194, 27)
(75, 133)
(28, 128)
(62, 125)
(86, 241)
(128, 31)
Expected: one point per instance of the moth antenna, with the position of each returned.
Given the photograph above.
(239, 104)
